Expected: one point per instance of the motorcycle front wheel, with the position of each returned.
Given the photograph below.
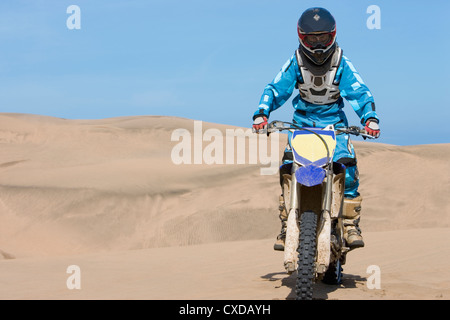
(306, 256)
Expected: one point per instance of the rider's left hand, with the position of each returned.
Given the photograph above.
(372, 128)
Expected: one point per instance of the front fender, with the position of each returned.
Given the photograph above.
(310, 175)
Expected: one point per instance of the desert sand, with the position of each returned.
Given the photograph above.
(105, 195)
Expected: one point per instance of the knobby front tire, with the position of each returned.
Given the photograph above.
(306, 256)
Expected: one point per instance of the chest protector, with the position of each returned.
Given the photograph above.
(319, 84)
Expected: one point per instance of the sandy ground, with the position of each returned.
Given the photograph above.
(105, 195)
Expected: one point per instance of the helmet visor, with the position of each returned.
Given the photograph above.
(317, 41)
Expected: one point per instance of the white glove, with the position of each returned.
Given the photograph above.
(260, 124)
(372, 128)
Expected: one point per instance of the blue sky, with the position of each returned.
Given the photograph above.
(210, 60)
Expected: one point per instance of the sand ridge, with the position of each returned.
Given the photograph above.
(105, 194)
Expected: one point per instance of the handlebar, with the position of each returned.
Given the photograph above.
(278, 125)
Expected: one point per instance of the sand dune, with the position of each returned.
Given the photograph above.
(105, 195)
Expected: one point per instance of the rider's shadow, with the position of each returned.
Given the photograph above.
(321, 290)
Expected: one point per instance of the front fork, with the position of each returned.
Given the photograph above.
(324, 230)
(292, 230)
(323, 254)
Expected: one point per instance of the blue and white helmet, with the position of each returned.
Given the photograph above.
(316, 30)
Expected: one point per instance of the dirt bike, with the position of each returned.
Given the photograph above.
(313, 189)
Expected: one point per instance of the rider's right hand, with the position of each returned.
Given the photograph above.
(259, 123)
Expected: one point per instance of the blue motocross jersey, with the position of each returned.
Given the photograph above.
(351, 87)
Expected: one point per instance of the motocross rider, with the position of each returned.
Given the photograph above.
(323, 76)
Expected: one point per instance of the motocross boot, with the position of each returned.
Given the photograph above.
(351, 215)
(279, 244)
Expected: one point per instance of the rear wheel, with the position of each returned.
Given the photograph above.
(306, 256)
(333, 275)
